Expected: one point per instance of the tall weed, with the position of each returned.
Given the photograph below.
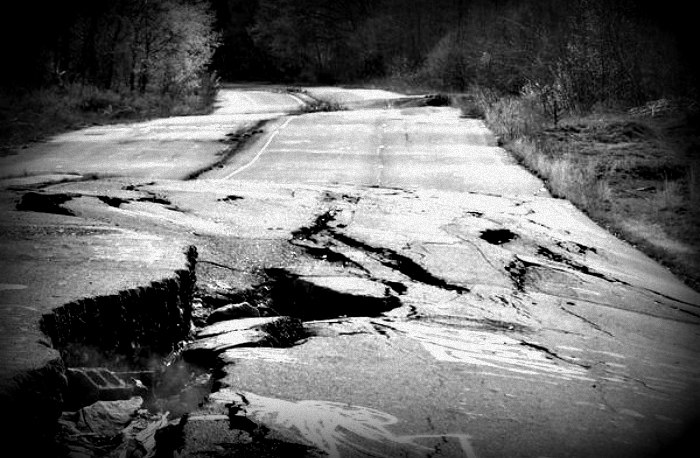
(514, 117)
(585, 182)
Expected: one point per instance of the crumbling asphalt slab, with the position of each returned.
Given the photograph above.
(54, 262)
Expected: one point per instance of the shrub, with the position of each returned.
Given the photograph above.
(513, 117)
(583, 181)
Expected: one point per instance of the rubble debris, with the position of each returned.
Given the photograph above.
(141, 436)
(87, 385)
(112, 429)
(108, 417)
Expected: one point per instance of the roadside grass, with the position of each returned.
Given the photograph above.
(635, 172)
(31, 116)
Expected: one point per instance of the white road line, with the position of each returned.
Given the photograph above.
(249, 99)
(260, 153)
(298, 99)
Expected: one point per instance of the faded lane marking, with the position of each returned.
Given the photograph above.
(341, 429)
(260, 153)
(297, 99)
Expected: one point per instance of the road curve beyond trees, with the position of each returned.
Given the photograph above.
(441, 302)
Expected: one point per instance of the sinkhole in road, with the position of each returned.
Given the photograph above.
(122, 360)
(142, 342)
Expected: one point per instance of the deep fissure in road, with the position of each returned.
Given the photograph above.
(236, 141)
(321, 238)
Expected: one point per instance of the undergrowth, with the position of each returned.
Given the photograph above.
(29, 116)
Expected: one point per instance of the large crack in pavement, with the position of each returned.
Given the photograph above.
(236, 141)
(324, 239)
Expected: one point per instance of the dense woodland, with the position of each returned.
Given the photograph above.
(578, 52)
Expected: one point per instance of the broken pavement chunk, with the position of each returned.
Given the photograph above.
(278, 331)
(87, 385)
(108, 417)
(233, 311)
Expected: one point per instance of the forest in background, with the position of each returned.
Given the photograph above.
(579, 52)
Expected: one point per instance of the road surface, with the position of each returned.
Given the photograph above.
(451, 307)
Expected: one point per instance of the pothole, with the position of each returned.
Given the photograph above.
(498, 236)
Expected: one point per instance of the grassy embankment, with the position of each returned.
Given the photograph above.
(636, 172)
(31, 116)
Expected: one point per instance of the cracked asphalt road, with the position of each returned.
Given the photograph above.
(516, 326)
